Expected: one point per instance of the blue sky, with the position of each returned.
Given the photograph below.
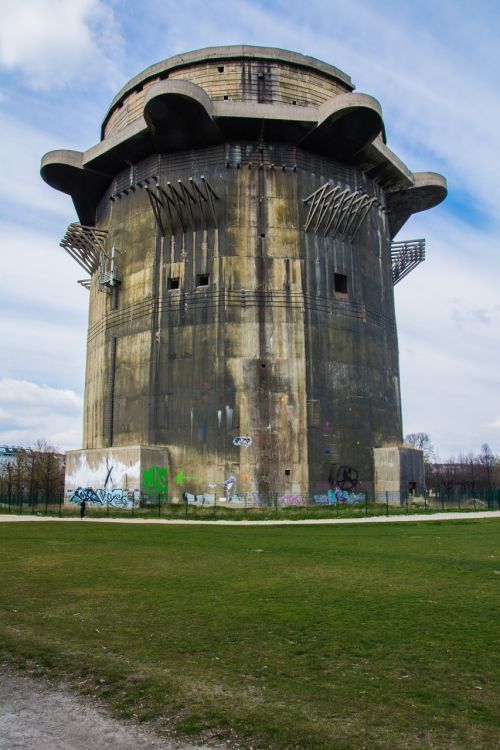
(434, 66)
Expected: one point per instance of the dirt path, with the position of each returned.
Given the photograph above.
(37, 716)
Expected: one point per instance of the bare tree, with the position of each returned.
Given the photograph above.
(487, 460)
(35, 472)
(422, 442)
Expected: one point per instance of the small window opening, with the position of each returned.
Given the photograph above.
(263, 234)
(287, 472)
(221, 69)
(202, 279)
(340, 283)
(294, 102)
(173, 283)
(263, 364)
(226, 97)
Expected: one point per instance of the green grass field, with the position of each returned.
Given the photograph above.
(320, 638)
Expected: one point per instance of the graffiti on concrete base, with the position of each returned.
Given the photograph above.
(347, 477)
(155, 480)
(229, 483)
(243, 440)
(288, 500)
(117, 498)
(204, 499)
(339, 497)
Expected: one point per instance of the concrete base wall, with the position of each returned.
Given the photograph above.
(398, 471)
(115, 476)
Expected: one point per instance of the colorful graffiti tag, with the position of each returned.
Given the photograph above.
(339, 497)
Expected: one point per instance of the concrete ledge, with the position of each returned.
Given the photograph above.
(429, 189)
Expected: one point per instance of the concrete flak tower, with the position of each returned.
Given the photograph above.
(236, 224)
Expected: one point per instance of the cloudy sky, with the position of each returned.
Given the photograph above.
(434, 66)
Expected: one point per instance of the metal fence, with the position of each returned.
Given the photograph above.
(249, 506)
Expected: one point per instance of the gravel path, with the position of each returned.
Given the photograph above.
(37, 716)
(306, 521)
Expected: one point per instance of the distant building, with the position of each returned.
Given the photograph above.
(7, 455)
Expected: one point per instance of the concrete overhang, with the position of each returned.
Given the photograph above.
(119, 150)
(428, 190)
(179, 116)
(274, 122)
(381, 164)
(64, 171)
(346, 124)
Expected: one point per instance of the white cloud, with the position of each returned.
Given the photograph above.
(29, 411)
(21, 149)
(449, 322)
(55, 42)
(36, 272)
(44, 311)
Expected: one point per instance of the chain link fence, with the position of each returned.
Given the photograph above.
(247, 506)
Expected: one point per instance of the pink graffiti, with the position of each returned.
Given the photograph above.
(292, 500)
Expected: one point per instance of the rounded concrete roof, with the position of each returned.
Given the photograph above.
(231, 52)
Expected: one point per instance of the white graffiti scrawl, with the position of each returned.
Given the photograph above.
(244, 441)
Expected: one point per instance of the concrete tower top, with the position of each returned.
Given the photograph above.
(210, 59)
(242, 94)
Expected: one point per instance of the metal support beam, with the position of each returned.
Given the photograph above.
(336, 211)
(85, 245)
(405, 256)
(177, 207)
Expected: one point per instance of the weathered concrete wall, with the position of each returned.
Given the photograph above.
(398, 472)
(267, 350)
